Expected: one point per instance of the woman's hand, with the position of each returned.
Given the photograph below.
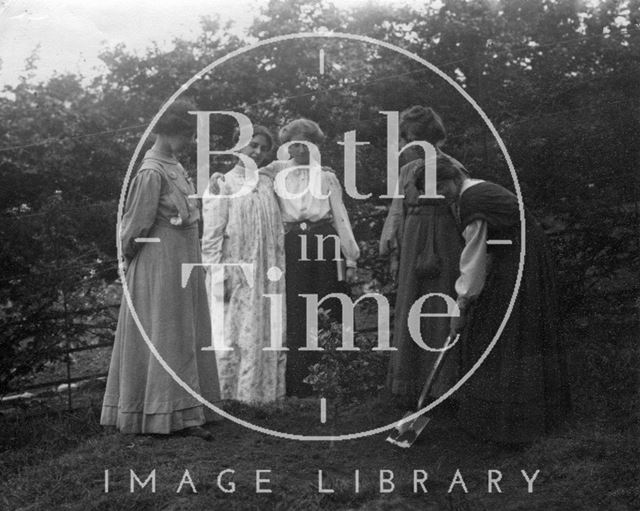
(394, 266)
(125, 263)
(457, 324)
(350, 275)
(388, 244)
(214, 187)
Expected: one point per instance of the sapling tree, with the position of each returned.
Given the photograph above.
(346, 377)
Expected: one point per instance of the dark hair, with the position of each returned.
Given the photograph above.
(446, 168)
(176, 120)
(302, 129)
(257, 130)
(423, 123)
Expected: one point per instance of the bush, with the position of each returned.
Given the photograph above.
(346, 376)
(53, 296)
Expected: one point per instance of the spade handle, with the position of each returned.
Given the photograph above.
(434, 372)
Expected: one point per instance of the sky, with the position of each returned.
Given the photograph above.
(71, 33)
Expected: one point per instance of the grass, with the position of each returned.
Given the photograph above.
(56, 460)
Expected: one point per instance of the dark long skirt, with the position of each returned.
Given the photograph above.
(307, 277)
(410, 364)
(520, 391)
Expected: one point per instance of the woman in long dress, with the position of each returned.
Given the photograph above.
(423, 236)
(141, 397)
(319, 241)
(247, 228)
(520, 391)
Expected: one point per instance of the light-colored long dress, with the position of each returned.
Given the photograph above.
(141, 397)
(248, 229)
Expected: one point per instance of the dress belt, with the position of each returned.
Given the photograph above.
(307, 226)
(163, 222)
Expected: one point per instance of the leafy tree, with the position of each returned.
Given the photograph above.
(558, 78)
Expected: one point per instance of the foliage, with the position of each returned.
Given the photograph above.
(346, 376)
(51, 299)
(559, 79)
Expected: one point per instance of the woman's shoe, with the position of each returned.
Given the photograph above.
(198, 431)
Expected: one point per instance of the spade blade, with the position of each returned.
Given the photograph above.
(406, 433)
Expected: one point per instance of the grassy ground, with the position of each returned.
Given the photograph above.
(59, 463)
(57, 460)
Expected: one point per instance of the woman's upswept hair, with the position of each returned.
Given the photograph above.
(257, 130)
(302, 129)
(423, 123)
(176, 120)
(448, 169)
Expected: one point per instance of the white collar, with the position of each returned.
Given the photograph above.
(468, 183)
